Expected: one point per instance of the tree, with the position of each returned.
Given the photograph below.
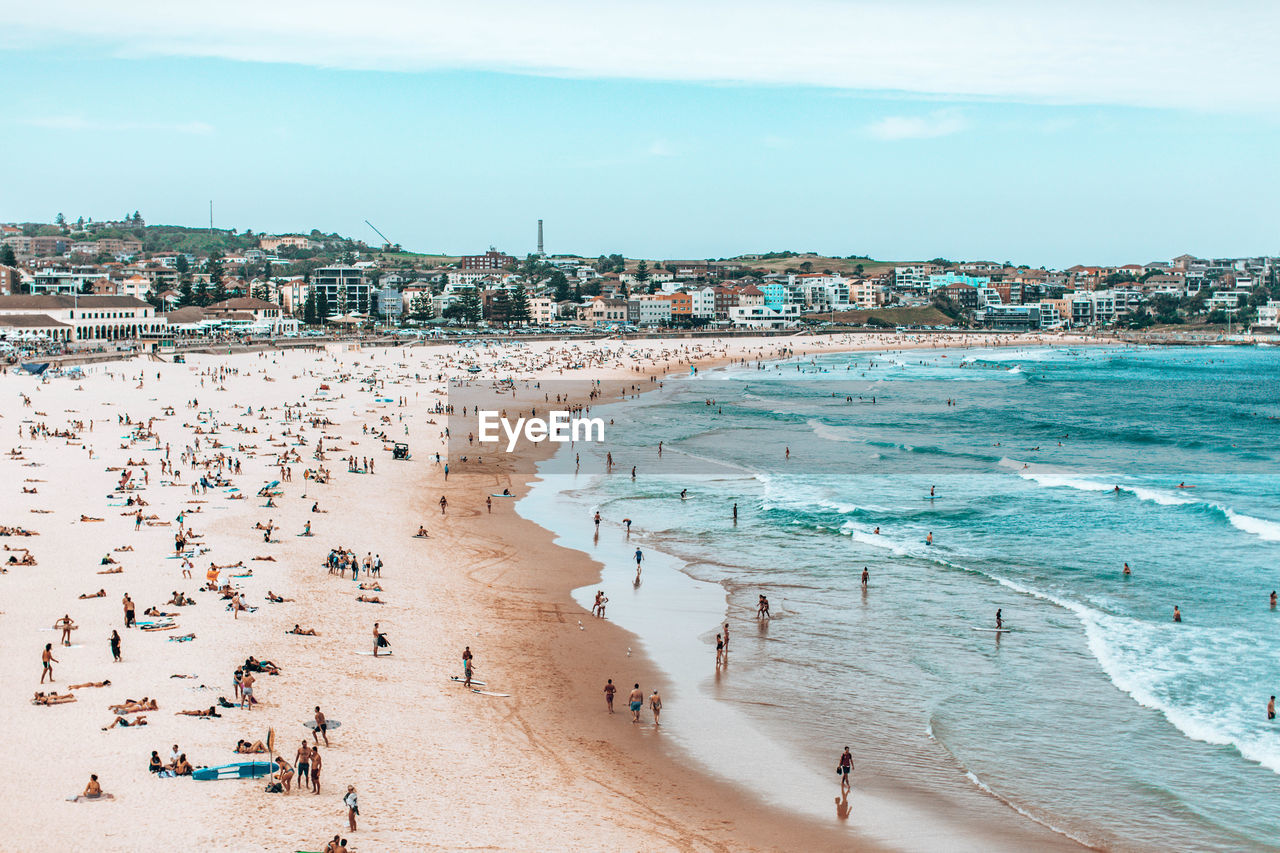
(420, 307)
(185, 296)
(7, 256)
(217, 287)
(60, 221)
(520, 305)
(472, 307)
(561, 286)
(322, 307)
(202, 294)
(309, 308)
(500, 307)
(642, 275)
(181, 265)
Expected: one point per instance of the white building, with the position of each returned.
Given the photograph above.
(704, 303)
(763, 316)
(91, 317)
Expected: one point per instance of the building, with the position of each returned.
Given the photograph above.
(490, 260)
(10, 280)
(704, 303)
(38, 325)
(1269, 315)
(763, 316)
(289, 241)
(345, 289)
(542, 310)
(52, 281)
(389, 302)
(649, 311)
(601, 311)
(90, 317)
(1021, 318)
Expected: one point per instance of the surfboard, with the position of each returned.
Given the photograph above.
(993, 630)
(487, 693)
(502, 496)
(331, 724)
(474, 682)
(380, 654)
(239, 770)
(81, 798)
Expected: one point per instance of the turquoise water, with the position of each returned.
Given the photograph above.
(1097, 715)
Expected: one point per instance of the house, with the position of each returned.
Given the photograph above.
(601, 311)
(763, 316)
(289, 241)
(91, 317)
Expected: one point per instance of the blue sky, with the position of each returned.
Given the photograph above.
(1095, 156)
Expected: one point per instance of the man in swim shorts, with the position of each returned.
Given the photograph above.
(637, 700)
(303, 759)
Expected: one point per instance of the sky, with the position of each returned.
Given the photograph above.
(1030, 131)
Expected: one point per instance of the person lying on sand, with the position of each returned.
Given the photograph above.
(278, 599)
(309, 632)
(84, 517)
(254, 665)
(124, 722)
(209, 713)
(373, 586)
(89, 684)
(27, 560)
(118, 570)
(245, 748)
(236, 565)
(123, 548)
(153, 611)
(265, 559)
(370, 599)
(16, 531)
(53, 698)
(133, 706)
(102, 593)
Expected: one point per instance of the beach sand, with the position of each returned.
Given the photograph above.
(436, 767)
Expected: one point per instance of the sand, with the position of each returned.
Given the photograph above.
(436, 767)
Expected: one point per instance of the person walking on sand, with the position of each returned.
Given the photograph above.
(467, 666)
(315, 769)
(444, 503)
(488, 502)
(321, 730)
(844, 768)
(129, 621)
(609, 690)
(655, 705)
(115, 645)
(636, 700)
(353, 807)
(47, 659)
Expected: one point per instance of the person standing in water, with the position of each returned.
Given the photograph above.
(866, 576)
(636, 700)
(735, 513)
(1271, 708)
(1177, 614)
(1126, 569)
(928, 540)
(655, 705)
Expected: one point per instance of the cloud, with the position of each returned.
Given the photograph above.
(1153, 53)
(938, 123)
(73, 123)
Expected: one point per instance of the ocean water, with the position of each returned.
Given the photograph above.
(1097, 715)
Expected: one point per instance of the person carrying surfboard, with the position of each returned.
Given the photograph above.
(379, 640)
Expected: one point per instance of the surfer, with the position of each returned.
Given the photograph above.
(66, 625)
(379, 638)
(931, 488)
(684, 494)
(467, 666)
(1116, 490)
(321, 730)
(999, 618)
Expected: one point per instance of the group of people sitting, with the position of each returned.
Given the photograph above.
(177, 766)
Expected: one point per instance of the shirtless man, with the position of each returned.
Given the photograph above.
(303, 760)
(609, 690)
(65, 624)
(47, 660)
(246, 691)
(379, 638)
(315, 769)
(129, 621)
(321, 729)
(636, 700)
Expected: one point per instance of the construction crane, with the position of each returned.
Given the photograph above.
(386, 244)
